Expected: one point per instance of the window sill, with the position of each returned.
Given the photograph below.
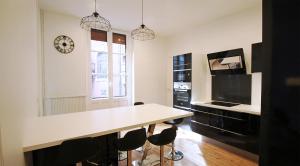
(108, 99)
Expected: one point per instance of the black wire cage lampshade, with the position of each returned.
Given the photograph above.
(95, 21)
(143, 33)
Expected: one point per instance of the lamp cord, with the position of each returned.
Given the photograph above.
(142, 11)
(95, 4)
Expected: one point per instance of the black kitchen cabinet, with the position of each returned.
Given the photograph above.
(233, 128)
(257, 58)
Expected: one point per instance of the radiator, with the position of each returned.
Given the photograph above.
(62, 105)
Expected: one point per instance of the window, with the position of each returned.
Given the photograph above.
(99, 64)
(119, 65)
(108, 65)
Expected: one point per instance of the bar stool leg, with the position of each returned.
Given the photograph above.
(140, 149)
(174, 155)
(162, 159)
(147, 145)
(121, 154)
(129, 158)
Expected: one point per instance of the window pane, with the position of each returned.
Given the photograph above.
(119, 87)
(119, 70)
(99, 70)
(99, 65)
(119, 48)
(99, 46)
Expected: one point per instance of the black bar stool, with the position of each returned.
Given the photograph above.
(165, 137)
(141, 150)
(132, 140)
(76, 151)
(174, 155)
(122, 155)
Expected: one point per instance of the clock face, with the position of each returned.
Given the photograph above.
(64, 44)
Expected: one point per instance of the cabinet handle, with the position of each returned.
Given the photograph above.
(199, 123)
(218, 115)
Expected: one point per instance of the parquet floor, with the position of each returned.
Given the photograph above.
(198, 151)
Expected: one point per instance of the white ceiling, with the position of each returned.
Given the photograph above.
(165, 17)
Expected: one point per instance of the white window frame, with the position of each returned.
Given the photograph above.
(111, 101)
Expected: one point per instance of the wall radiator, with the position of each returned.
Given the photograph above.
(62, 105)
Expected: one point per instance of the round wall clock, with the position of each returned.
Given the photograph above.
(64, 44)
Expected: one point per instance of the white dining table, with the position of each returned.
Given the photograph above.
(48, 131)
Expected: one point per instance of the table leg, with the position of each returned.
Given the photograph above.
(147, 145)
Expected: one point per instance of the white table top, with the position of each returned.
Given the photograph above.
(250, 109)
(42, 132)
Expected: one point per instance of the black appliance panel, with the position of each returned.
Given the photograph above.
(227, 62)
(182, 62)
(232, 88)
(182, 98)
(182, 76)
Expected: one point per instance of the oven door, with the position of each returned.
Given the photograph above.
(182, 98)
(182, 75)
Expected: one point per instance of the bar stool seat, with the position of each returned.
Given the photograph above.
(132, 140)
(167, 136)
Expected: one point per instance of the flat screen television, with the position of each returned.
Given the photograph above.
(232, 88)
(227, 62)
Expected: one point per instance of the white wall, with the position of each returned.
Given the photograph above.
(235, 31)
(150, 59)
(19, 74)
(65, 74)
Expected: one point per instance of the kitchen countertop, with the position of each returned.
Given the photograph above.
(244, 108)
(43, 132)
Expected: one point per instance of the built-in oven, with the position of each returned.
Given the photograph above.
(184, 75)
(182, 95)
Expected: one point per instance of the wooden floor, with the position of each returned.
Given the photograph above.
(199, 151)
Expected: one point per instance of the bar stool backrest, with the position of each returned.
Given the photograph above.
(167, 136)
(76, 150)
(132, 140)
